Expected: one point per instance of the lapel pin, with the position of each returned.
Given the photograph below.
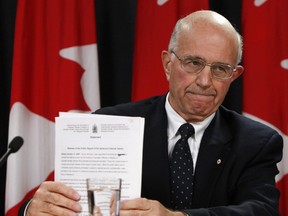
(219, 161)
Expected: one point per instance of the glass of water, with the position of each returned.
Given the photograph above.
(104, 196)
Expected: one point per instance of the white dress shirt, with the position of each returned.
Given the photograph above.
(175, 121)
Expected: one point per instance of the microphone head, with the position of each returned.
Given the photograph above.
(16, 144)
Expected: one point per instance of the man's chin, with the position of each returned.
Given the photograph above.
(196, 114)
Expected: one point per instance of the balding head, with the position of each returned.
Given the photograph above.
(210, 22)
(207, 39)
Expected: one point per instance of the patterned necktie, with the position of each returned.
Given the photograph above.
(181, 170)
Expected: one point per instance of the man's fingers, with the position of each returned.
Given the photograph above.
(54, 198)
(139, 204)
(58, 187)
(58, 194)
(60, 200)
(145, 207)
(48, 209)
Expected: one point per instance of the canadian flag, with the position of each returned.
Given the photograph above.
(55, 68)
(154, 24)
(265, 80)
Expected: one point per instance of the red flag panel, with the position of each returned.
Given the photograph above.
(55, 69)
(154, 24)
(265, 80)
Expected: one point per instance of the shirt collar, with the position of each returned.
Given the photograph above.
(175, 121)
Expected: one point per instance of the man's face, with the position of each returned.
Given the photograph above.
(195, 97)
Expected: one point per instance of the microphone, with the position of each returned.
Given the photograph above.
(13, 147)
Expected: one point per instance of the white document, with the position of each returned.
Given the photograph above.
(89, 145)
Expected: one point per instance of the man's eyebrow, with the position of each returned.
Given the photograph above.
(191, 56)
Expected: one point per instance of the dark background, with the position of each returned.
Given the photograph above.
(115, 21)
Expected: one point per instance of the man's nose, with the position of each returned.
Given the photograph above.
(204, 78)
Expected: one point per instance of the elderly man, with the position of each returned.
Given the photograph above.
(231, 160)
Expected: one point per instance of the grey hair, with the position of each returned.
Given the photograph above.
(175, 35)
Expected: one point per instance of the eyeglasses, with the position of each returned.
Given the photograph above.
(194, 65)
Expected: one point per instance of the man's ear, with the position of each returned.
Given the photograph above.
(166, 62)
(237, 73)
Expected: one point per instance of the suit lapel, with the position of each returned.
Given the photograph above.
(213, 153)
(155, 184)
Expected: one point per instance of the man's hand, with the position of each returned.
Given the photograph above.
(143, 207)
(54, 198)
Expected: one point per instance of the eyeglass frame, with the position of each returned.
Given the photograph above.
(182, 59)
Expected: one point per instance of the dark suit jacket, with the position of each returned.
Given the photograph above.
(236, 166)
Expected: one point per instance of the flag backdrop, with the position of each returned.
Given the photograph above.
(55, 41)
(154, 24)
(265, 79)
(55, 68)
